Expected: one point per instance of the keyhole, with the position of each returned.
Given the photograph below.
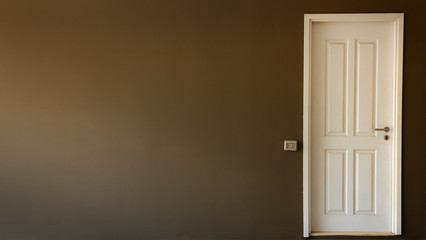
(386, 137)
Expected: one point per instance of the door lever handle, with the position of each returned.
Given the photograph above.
(385, 129)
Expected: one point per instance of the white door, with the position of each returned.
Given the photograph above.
(351, 95)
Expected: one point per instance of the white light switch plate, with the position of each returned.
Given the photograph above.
(290, 145)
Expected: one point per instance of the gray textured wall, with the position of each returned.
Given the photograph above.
(165, 119)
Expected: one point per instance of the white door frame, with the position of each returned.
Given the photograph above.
(398, 20)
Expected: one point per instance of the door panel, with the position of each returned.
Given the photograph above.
(365, 88)
(352, 94)
(335, 181)
(336, 82)
(365, 182)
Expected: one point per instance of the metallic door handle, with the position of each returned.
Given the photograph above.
(386, 129)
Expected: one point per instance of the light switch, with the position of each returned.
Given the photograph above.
(290, 145)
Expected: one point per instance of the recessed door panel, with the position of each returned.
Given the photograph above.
(365, 182)
(335, 182)
(336, 81)
(365, 87)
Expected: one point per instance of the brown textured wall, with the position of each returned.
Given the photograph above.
(165, 119)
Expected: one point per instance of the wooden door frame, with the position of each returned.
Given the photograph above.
(398, 20)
